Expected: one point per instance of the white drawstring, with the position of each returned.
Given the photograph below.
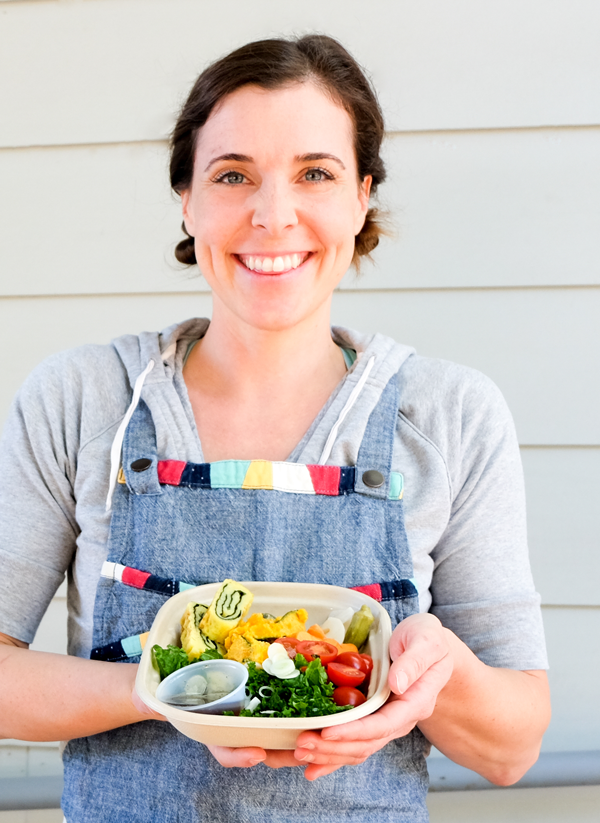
(169, 351)
(349, 403)
(115, 451)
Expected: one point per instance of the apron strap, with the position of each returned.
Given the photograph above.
(374, 476)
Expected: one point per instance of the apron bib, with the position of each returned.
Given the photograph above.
(203, 523)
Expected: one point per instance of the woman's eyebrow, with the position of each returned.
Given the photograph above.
(317, 155)
(240, 158)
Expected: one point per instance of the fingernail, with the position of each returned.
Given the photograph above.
(401, 682)
(307, 746)
(330, 736)
(308, 758)
(256, 762)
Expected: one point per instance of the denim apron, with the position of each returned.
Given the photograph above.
(150, 773)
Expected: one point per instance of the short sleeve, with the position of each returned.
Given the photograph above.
(482, 587)
(38, 529)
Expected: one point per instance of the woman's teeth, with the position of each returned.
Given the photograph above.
(273, 264)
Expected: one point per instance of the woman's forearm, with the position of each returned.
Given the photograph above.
(57, 697)
(488, 719)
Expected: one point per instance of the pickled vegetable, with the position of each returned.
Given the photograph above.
(359, 628)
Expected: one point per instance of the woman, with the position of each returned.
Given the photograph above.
(275, 156)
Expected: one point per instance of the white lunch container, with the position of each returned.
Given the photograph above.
(277, 599)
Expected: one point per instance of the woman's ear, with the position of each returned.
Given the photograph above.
(364, 193)
(185, 210)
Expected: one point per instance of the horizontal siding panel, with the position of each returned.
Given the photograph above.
(31, 329)
(574, 653)
(539, 345)
(495, 208)
(101, 220)
(51, 635)
(101, 70)
(575, 804)
(470, 209)
(563, 490)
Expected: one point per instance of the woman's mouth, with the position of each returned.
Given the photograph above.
(273, 264)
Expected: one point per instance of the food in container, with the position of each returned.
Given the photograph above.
(270, 598)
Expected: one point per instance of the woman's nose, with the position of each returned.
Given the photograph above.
(274, 208)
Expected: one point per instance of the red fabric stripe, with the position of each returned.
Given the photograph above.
(372, 590)
(325, 479)
(170, 471)
(135, 578)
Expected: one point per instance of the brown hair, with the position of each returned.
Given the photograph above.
(271, 64)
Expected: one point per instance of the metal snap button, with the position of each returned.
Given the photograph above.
(141, 464)
(373, 479)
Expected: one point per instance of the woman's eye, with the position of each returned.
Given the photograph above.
(231, 177)
(317, 175)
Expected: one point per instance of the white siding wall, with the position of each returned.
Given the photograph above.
(493, 112)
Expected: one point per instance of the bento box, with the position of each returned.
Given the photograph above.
(276, 598)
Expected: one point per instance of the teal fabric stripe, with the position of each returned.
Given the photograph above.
(228, 474)
(132, 646)
(349, 357)
(396, 485)
(184, 586)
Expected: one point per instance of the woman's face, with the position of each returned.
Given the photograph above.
(275, 203)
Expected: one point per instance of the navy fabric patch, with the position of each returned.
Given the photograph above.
(196, 475)
(110, 653)
(162, 585)
(347, 474)
(398, 590)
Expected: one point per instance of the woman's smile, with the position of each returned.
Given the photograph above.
(273, 264)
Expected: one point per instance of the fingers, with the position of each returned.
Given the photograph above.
(242, 758)
(245, 758)
(417, 644)
(143, 709)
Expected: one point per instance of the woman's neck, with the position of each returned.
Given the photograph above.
(255, 392)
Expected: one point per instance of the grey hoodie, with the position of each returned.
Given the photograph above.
(455, 445)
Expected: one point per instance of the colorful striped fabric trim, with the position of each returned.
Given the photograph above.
(392, 590)
(121, 650)
(258, 474)
(265, 474)
(163, 585)
(143, 580)
(134, 645)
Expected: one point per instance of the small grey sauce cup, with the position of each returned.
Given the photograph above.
(174, 684)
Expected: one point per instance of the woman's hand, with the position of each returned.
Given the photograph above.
(421, 667)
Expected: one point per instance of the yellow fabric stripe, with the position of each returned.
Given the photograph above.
(143, 638)
(259, 475)
(121, 476)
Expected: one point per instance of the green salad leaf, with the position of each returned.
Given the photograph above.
(168, 660)
(307, 695)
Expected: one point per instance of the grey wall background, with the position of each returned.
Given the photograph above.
(493, 146)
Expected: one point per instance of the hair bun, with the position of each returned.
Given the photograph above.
(184, 250)
(368, 237)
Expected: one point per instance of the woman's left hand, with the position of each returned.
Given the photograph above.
(422, 665)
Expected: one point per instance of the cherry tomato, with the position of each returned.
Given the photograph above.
(357, 661)
(352, 659)
(344, 675)
(317, 648)
(347, 696)
(368, 662)
(290, 644)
